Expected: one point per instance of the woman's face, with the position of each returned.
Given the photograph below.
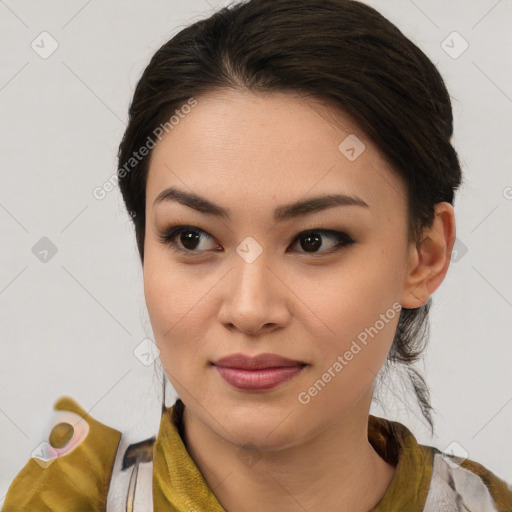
(247, 283)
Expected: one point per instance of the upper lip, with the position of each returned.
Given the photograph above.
(257, 362)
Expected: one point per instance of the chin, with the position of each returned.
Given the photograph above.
(265, 425)
(260, 441)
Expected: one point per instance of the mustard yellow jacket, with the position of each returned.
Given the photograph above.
(85, 466)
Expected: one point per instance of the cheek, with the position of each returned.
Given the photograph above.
(175, 301)
(362, 322)
(360, 307)
(165, 310)
(170, 292)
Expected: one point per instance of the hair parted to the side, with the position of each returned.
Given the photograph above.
(342, 52)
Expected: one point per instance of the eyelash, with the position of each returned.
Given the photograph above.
(344, 240)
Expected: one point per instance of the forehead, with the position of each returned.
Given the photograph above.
(273, 145)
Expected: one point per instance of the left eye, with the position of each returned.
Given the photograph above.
(190, 239)
(313, 240)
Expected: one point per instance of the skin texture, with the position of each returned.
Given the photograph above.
(251, 153)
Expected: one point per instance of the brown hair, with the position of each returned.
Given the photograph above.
(340, 51)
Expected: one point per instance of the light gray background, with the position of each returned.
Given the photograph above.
(69, 325)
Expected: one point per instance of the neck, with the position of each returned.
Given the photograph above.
(336, 470)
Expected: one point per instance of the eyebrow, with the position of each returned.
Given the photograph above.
(281, 213)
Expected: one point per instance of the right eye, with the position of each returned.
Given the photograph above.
(189, 238)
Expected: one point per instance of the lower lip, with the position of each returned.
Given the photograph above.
(256, 380)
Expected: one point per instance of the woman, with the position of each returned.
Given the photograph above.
(289, 171)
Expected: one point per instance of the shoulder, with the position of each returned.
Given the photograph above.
(75, 464)
(463, 484)
(432, 480)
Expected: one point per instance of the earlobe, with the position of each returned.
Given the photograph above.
(429, 260)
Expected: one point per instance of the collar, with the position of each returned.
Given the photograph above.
(179, 485)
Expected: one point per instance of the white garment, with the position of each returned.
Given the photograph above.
(455, 489)
(119, 489)
(452, 488)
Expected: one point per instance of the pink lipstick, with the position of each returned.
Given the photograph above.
(262, 372)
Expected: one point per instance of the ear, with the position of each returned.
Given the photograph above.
(429, 260)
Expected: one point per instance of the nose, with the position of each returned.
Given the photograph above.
(255, 299)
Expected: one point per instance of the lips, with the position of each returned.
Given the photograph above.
(258, 362)
(262, 372)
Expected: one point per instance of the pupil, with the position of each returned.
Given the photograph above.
(188, 237)
(314, 244)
